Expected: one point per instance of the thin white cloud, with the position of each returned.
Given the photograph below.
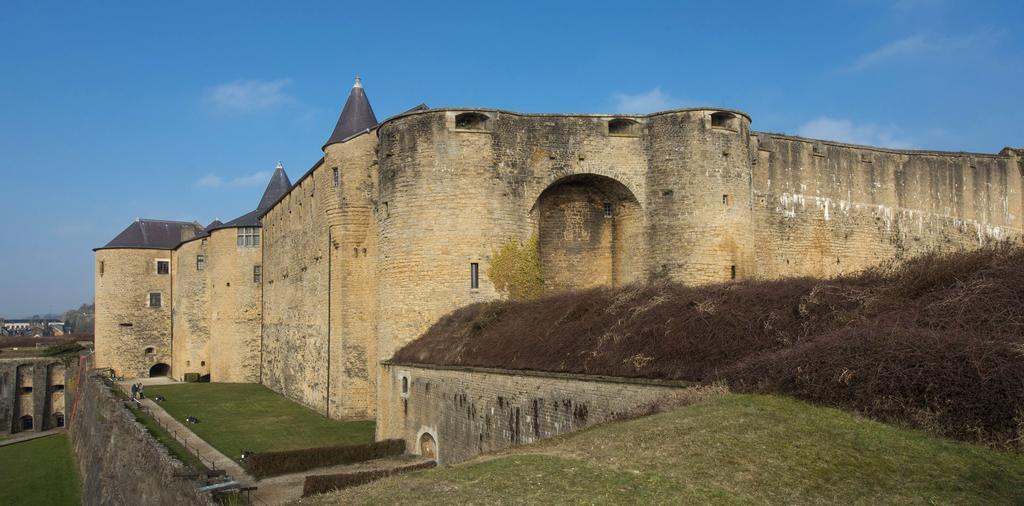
(642, 103)
(903, 48)
(248, 96)
(215, 181)
(844, 130)
(922, 45)
(210, 181)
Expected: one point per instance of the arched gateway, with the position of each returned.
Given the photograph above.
(590, 230)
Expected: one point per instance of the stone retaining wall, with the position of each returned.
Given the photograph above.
(118, 459)
(467, 411)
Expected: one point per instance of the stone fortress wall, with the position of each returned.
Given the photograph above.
(462, 411)
(694, 199)
(32, 394)
(379, 239)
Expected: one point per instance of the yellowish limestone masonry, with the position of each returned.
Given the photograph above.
(353, 271)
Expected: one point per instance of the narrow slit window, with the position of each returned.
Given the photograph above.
(257, 273)
(732, 272)
(336, 177)
(200, 262)
(101, 267)
(474, 275)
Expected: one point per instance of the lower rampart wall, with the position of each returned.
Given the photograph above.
(468, 411)
(119, 461)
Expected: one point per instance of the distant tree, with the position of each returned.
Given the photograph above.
(81, 320)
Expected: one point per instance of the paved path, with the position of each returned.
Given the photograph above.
(18, 437)
(183, 433)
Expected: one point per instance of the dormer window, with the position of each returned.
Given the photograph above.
(248, 237)
(471, 121)
(623, 126)
(725, 120)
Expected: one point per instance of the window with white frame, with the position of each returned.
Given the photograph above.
(248, 237)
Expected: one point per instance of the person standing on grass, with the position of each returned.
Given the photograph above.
(135, 390)
(141, 396)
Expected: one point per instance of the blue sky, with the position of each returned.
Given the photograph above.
(179, 110)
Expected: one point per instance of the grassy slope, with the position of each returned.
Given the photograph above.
(737, 449)
(235, 417)
(40, 471)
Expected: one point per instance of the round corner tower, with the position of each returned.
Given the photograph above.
(699, 223)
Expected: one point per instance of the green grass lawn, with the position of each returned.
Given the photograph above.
(165, 438)
(235, 417)
(738, 449)
(40, 471)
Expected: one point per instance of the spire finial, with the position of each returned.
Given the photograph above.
(280, 166)
(359, 82)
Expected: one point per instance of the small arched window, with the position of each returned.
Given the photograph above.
(623, 126)
(725, 120)
(150, 350)
(471, 121)
(405, 385)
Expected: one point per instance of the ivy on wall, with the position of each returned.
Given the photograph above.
(515, 269)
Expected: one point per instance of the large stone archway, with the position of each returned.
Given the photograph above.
(590, 231)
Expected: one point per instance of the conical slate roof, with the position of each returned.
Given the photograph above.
(356, 117)
(278, 186)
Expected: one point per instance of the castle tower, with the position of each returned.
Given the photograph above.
(233, 259)
(357, 116)
(351, 159)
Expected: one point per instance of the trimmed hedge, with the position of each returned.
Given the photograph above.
(323, 483)
(261, 465)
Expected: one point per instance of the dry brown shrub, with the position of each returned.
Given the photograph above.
(934, 342)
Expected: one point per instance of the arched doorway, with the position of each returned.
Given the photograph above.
(428, 447)
(590, 231)
(159, 369)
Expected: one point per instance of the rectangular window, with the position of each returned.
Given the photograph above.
(163, 266)
(257, 273)
(101, 267)
(727, 200)
(200, 262)
(474, 275)
(732, 272)
(154, 299)
(248, 237)
(336, 176)
(607, 209)
(203, 243)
